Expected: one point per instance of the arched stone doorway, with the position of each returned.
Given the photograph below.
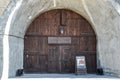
(54, 39)
(102, 16)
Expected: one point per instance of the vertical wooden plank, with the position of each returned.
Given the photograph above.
(53, 59)
(83, 43)
(92, 43)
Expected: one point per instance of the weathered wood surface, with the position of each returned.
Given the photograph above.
(42, 57)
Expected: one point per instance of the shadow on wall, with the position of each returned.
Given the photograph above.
(116, 5)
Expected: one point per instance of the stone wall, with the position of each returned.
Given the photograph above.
(1, 54)
(3, 6)
(103, 17)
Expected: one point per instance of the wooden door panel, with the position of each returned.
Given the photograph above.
(43, 63)
(72, 27)
(53, 67)
(84, 43)
(91, 43)
(53, 53)
(67, 67)
(39, 56)
(31, 63)
(85, 27)
(45, 25)
(42, 45)
(91, 67)
(75, 41)
(31, 44)
(67, 59)
(53, 59)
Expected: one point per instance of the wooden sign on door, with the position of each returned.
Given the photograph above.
(81, 62)
(59, 40)
(80, 65)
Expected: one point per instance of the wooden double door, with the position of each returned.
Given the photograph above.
(40, 56)
(63, 61)
(49, 58)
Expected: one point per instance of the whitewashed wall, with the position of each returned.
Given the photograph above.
(102, 15)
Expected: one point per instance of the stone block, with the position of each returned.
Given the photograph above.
(1, 55)
(15, 55)
(4, 3)
(1, 11)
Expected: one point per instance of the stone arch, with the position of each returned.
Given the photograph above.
(25, 12)
(33, 30)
